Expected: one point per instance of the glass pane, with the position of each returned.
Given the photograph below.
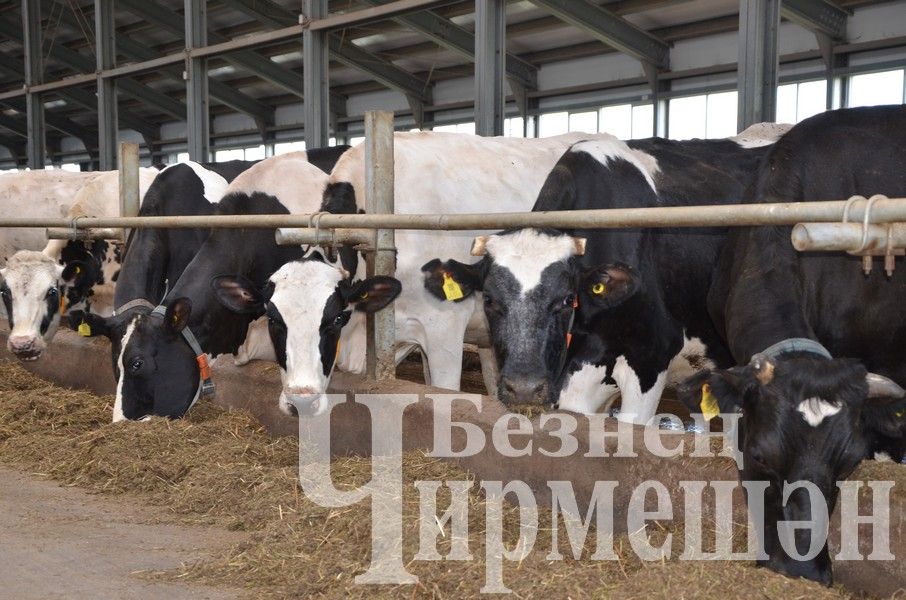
(224, 155)
(876, 88)
(355, 140)
(74, 167)
(447, 128)
(812, 99)
(642, 121)
(553, 124)
(182, 157)
(466, 128)
(255, 153)
(688, 118)
(332, 141)
(584, 122)
(617, 120)
(513, 127)
(786, 103)
(721, 119)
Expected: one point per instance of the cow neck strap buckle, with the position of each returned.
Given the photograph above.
(205, 383)
(796, 345)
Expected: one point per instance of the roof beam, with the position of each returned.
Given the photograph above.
(83, 64)
(381, 70)
(258, 64)
(61, 124)
(819, 16)
(219, 91)
(343, 52)
(449, 35)
(611, 29)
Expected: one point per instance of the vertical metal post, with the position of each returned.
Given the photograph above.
(759, 21)
(130, 197)
(315, 78)
(490, 53)
(34, 74)
(108, 122)
(381, 352)
(196, 75)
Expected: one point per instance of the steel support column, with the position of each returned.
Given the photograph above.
(759, 21)
(197, 118)
(315, 78)
(490, 66)
(108, 119)
(34, 74)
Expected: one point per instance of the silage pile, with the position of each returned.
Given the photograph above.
(220, 468)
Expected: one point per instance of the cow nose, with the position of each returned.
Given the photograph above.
(300, 401)
(523, 390)
(25, 347)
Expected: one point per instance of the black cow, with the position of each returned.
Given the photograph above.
(636, 298)
(808, 416)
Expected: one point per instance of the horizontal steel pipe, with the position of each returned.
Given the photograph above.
(846, 237)
(886, 210)
(68, 233)
(310, 235)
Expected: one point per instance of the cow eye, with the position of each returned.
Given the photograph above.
(135, 365)
(341, 319)
(52, 292)
(569, 300)
(4, 292)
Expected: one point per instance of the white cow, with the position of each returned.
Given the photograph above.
(39, 287)
(38, 194)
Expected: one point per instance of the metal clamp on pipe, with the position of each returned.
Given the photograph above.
(865, 239)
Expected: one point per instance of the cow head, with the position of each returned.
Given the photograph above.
(804, 419)
(33, 288)
(157, 372)
(530, 282)
(308, 304)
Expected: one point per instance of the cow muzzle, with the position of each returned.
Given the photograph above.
(302, 402)
(524, 390)
(26, 347)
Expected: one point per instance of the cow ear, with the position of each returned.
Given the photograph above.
(74, 272)
(453, 280)
(177, 315)
(609, 285)
(713, 392)
(89, 324)
(238, 294)
(372, 294)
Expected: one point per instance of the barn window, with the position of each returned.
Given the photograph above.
(798, 101)
(871, 89)
(704, 116)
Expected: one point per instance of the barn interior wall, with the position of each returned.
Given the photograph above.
(866, 24)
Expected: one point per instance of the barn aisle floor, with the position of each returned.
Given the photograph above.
(61, 542)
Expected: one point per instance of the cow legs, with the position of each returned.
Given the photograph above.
(637, 406)
(489, 371)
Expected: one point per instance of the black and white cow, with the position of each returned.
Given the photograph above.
(157, 372)
(575, 319)
(307, 304)
(807, 416)
(38, 288)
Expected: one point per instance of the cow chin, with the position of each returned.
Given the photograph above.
(303, 403)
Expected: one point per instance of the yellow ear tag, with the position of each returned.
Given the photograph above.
(78, 270)
(364, 296)
(452, 291)
(900, 413)
(598, 289)
(336, 356)
(62, 303)
(85, 330)
(709, 403)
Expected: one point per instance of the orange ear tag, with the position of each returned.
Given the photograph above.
(62, 302)
(569, 339)
(336, 356)
(203, 366)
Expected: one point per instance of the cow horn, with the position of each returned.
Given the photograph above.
(883, 387)
(579, 248)
(478, 246)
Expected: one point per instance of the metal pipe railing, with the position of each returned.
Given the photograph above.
(789, 213)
